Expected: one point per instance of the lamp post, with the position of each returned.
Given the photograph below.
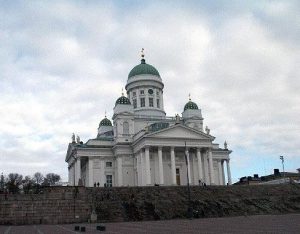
(282, 161)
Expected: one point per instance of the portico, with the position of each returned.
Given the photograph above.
(164, 160)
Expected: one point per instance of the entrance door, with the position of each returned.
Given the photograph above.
(177, 176)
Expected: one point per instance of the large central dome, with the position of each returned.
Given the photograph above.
(143, 69)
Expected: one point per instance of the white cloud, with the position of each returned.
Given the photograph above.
(62, 64)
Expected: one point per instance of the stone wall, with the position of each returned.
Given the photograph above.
(75, 204)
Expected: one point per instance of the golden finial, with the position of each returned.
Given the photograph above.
(142, 53)
(105, 113)
(143, 61)
(122, 92)
(190, 97)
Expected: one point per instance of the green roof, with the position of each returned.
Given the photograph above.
(105, 122)
(143, 69)
(158, 126)
(123, 100)
(191, 106)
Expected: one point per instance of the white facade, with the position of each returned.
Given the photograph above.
(144, 147)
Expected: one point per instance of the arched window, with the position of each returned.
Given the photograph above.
(126, 128)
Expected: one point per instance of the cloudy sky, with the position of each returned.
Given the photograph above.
(63, 63)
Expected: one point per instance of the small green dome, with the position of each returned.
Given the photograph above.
(105, 122)
(143, 69)
(191, 106)
(123, 100)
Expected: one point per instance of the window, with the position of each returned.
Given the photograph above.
(126, 128)
(142, 102)
(157, 103)
(134, 94)
(151, 102)
(108, 164)
(142, 92)
(134, 103)
(157, 93)
(108, 180)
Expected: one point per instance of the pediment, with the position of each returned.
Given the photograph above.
(180, 131)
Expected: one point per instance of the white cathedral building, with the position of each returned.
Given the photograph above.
(144, 147)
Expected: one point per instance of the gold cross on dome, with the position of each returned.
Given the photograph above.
(189, 97)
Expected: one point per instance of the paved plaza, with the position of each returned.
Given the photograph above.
(289, 223)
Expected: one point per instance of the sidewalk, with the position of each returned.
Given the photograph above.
(288, 223)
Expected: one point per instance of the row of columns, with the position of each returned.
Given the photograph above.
(75, 172)
(144, 175)
(143, 168)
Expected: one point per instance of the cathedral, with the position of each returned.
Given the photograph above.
(141, 146)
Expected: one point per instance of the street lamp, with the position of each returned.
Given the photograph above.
(282, 161)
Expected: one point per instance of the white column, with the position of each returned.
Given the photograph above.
(146, 98)
(120, 171)
(102, 173)
(77, 170)
(69, 177)
(220, 172)
(138, 98)
(228, 172)
(173, 166)
(200, 172)
(72, 182)
(211, 167)
(160, 166)
(138, 167)
(147, 164)
(193, 165)
(91, 173)
(161, 101)
(223, 173)
(143, 176)
(205, 166)
(188, 164)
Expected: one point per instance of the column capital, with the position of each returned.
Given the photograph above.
(172, 147)
(159, 147)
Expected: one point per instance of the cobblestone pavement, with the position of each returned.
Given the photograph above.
(289, 223)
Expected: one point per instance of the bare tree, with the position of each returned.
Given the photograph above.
(51, 179)
(28, 184)
(2, 183)
(13, 183)
(38, 178)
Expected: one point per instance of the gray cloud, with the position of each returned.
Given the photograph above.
(62, 64)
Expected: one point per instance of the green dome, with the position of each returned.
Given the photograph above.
(105, 122)
(191, 106)
(143, 69)
(123, 100)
